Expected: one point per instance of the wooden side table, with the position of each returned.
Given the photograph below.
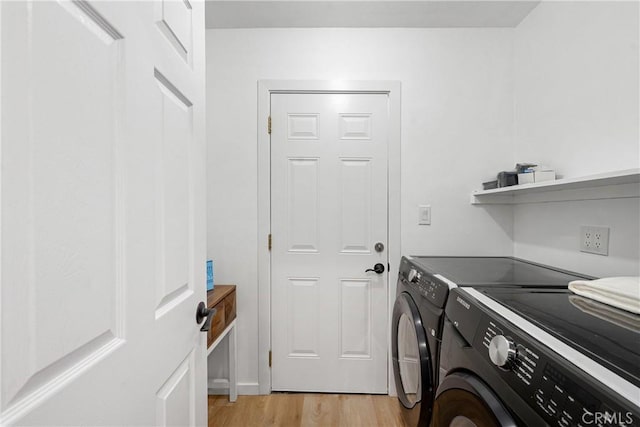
(223, 299)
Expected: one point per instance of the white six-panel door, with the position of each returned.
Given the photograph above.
(328, 210)
(102, 213)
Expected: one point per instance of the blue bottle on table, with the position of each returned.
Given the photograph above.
(209, 275)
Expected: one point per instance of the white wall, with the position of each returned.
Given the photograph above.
(457, 116)
(576, 109)
(548, 233)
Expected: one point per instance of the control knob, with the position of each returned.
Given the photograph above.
(413, 275)
(502, 351)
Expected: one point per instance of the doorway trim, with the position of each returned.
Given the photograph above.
(265, 89)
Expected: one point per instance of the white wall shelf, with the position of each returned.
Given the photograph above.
(611, 185)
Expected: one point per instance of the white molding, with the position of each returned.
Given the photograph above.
(394, 168)
(264, 228)
(220, 386)
(2, 6)
(265, 89)
(215, 385)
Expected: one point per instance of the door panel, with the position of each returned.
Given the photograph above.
(355, 126)
(329, 207)
(175, 399)
(61, 187)
(101, 233)
(303, 126)
(355, 318)
(303, 318)
(302, 202)
(356, 194)
(175, 21)
(172, 213)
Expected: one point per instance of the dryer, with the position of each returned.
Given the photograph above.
(536, 357)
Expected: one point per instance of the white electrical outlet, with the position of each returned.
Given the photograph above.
(594, 240)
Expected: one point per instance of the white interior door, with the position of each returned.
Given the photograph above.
(328, 211)
(102, 213)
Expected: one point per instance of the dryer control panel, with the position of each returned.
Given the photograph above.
(553, 387)
(430, 287)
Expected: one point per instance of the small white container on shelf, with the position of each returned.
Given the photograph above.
(526, 178)
(537, 174)
(544, 175)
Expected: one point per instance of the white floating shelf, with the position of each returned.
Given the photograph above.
(610, 185)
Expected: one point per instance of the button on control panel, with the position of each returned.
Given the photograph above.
(413, 276)
(523, 360)
(502, 351)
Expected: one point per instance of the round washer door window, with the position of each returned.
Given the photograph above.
(409, 360)
(463, 400)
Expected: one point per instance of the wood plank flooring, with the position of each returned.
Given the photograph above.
(305, 409)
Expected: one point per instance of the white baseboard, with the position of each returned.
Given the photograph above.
(217, 384)
(221, 386)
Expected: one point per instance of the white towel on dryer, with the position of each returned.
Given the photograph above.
(621, 292)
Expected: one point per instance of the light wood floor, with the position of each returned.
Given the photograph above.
(302, 409)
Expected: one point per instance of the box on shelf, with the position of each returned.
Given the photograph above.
(545, 175)
(536, 176)
(507, 179)
(209, 275)
(490, 185)
(526, 178)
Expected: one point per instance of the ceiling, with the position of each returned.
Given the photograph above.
(366, 13)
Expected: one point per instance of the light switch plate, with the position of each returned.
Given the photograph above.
(424, 215)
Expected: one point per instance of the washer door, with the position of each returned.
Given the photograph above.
(411, 362)
(463, 400)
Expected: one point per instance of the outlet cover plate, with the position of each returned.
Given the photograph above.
(594, 240)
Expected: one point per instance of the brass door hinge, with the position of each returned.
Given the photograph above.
(269, 125)
(269, 358)
(269, 244)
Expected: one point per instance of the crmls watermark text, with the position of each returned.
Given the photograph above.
(608, 418)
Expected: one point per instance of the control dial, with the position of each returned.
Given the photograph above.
(502, 351)
(413, 275)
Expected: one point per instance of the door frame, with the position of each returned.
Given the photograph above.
(265, 89)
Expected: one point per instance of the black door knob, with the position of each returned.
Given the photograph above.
(378, 268)
(201, 312)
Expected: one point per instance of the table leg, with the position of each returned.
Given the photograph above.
(233, 381)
